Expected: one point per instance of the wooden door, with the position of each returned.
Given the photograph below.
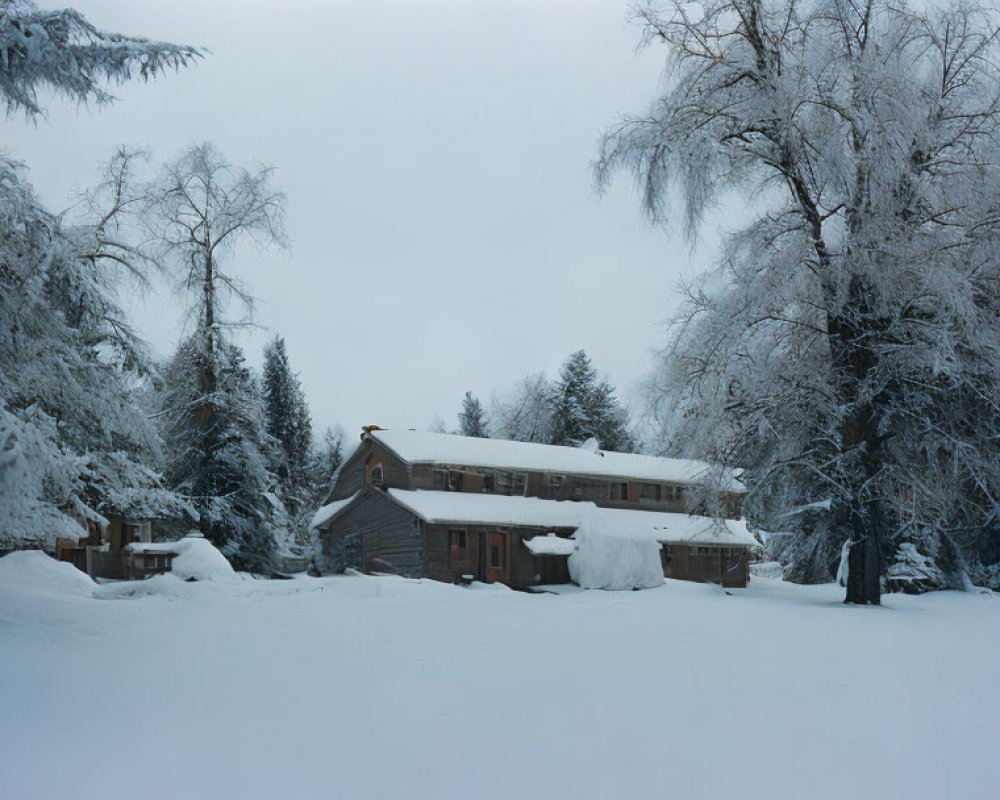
(497, 561)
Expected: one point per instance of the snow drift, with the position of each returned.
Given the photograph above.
(34, 571)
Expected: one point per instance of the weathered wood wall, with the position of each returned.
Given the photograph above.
(728, 566)
(391, 539)
(524, 569)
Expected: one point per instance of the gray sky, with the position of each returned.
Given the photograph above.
(445, 231)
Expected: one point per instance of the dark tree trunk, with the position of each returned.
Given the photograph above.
(859, 516)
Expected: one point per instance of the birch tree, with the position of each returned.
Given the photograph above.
(847, 345)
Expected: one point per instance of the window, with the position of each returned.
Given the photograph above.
(672, 492)
(619, 491)
(377, 474)
(460, 556)
(495, 560)
(489, 483)
(649, 493)
(439, 478)
(668, 555)
(455, 480)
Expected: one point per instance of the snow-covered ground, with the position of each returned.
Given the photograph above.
(371, 687)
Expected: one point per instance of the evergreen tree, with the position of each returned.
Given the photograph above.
(288, 422)
(584, 407)
(73, 444)
(62, 52)
(219, 449)
(472, 418)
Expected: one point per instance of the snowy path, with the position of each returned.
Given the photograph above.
(358, 687)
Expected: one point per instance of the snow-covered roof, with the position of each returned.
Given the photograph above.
(492, 509)
(674, 528)
(445, 448)
(330, 510)
(550, 545)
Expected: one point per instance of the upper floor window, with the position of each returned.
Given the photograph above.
(489, 483)
(439, 478)
(456, 481)
(619, 491)
(377, 477)
(649, 493)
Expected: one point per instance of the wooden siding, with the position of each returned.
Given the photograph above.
(352, 475)
(356, 473)
(603, 492)
(523, 569)
(389, 536)
(728, 566)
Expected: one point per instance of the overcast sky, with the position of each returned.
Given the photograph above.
(436, 156)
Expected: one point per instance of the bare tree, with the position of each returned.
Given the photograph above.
(856, 332)
(525, 414)
(198, 210)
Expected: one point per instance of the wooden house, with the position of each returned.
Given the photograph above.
(456, 508)
(445, 462)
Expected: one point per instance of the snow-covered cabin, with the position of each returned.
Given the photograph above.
(456, 508)
(407, 459)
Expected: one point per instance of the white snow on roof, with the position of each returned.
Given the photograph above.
(445, 448)
(675, 528)
(330, 510)
(492, 509)
(550, 545)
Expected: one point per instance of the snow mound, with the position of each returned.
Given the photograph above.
(772, 570)
(198, 559)
(550, 545)
(37, 572)
(607, 559)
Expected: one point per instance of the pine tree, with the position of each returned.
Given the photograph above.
(584, 407)
(219, 450)
(62, 52)
(472, 418)
(73, 444)
(288, 422)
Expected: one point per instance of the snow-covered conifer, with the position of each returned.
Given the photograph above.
(289, 422)
(219, 449)
(472, 418)
(584, 407)
(61, 51)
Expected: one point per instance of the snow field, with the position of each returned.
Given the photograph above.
(379, 687)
